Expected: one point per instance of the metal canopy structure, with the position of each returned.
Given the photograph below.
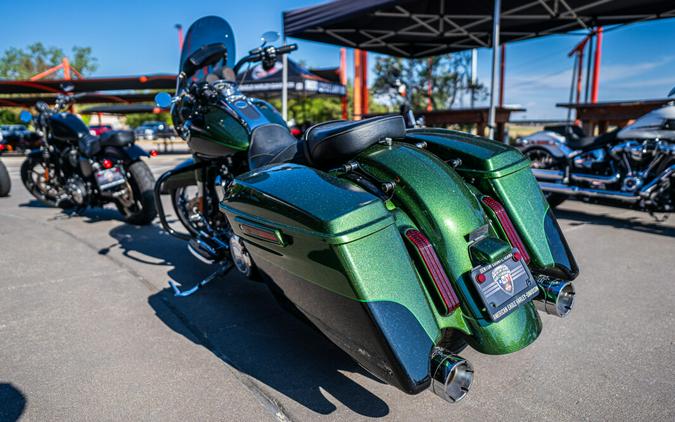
(422, 28)
(155, 82)
(122, 109)
(93, 98)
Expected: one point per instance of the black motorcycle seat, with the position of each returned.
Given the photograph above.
(592, 141)
(274, 144)
(116, 138)
(333, 143)
(579, 143)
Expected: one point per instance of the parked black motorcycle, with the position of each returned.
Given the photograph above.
(5, 181)
(75, 169)
(632, 167)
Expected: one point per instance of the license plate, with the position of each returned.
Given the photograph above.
(507, 285)
(109, 178)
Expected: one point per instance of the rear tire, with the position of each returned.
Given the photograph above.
(142, 183)
(542, 159)
(5, 181)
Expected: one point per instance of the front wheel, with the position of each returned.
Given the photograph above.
(5, 181)
(39, 178)
(542, 159)
(139, 206)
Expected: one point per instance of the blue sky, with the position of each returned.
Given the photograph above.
(134, 37)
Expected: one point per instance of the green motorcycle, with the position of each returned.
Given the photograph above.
(402, 245)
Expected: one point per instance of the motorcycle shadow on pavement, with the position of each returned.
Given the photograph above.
(640, 224)
(12, 402)
(240, 322)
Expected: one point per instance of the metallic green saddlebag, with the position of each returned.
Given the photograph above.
(502, 172)
(336, 253)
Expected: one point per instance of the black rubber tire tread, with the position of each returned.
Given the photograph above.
(143, 184)
(5, 181)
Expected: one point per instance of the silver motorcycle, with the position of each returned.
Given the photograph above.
(631, 166)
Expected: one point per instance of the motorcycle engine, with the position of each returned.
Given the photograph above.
(76, 190)
(590, 159)
(638, 159)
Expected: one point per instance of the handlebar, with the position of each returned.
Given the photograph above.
(260, 54)
(287, 48)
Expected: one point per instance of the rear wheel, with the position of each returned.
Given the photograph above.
(542, 159)
(5, 181)
(139, 207)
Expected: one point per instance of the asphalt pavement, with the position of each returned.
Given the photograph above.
(89, 330)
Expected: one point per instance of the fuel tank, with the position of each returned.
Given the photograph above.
(217, 133)
(67, 127)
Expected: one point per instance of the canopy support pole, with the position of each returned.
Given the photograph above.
(596, 66)
(492, 114)
(284, 85)
(474, 71)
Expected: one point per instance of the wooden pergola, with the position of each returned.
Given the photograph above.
(601, 115)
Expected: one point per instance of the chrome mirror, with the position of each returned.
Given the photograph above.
(269, 37)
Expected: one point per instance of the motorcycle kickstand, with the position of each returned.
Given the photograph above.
(224, 268)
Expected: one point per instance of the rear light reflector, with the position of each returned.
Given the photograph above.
(507, 225)
(269, 235)
(433, 264)
(107, 164)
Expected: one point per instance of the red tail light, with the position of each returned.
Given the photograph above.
(2, 147)
(154, 153)
(431, 261)
(507, 225)
(107, 164)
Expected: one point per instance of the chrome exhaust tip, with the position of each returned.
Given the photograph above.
(556, 297)
(451, 376)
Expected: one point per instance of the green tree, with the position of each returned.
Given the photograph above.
(19, 63)
(450, 77)
(9, 116)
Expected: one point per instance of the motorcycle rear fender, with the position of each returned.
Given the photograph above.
(557, 150)
(503, 172)
(128, 154)
(435, 199)
(336, 252)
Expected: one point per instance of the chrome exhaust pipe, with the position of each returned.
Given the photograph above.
(559, 175)
(451, 376)
(649, 188)
(556, 297)
(595, 179)
(589, 192)
(543, 174)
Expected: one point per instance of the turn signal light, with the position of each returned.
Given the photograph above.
(426, 251)
(107, 164)
(507, 225)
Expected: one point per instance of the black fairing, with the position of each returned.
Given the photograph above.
(67, 127)
(565, 266)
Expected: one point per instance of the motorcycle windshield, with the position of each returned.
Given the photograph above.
(206, 31)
